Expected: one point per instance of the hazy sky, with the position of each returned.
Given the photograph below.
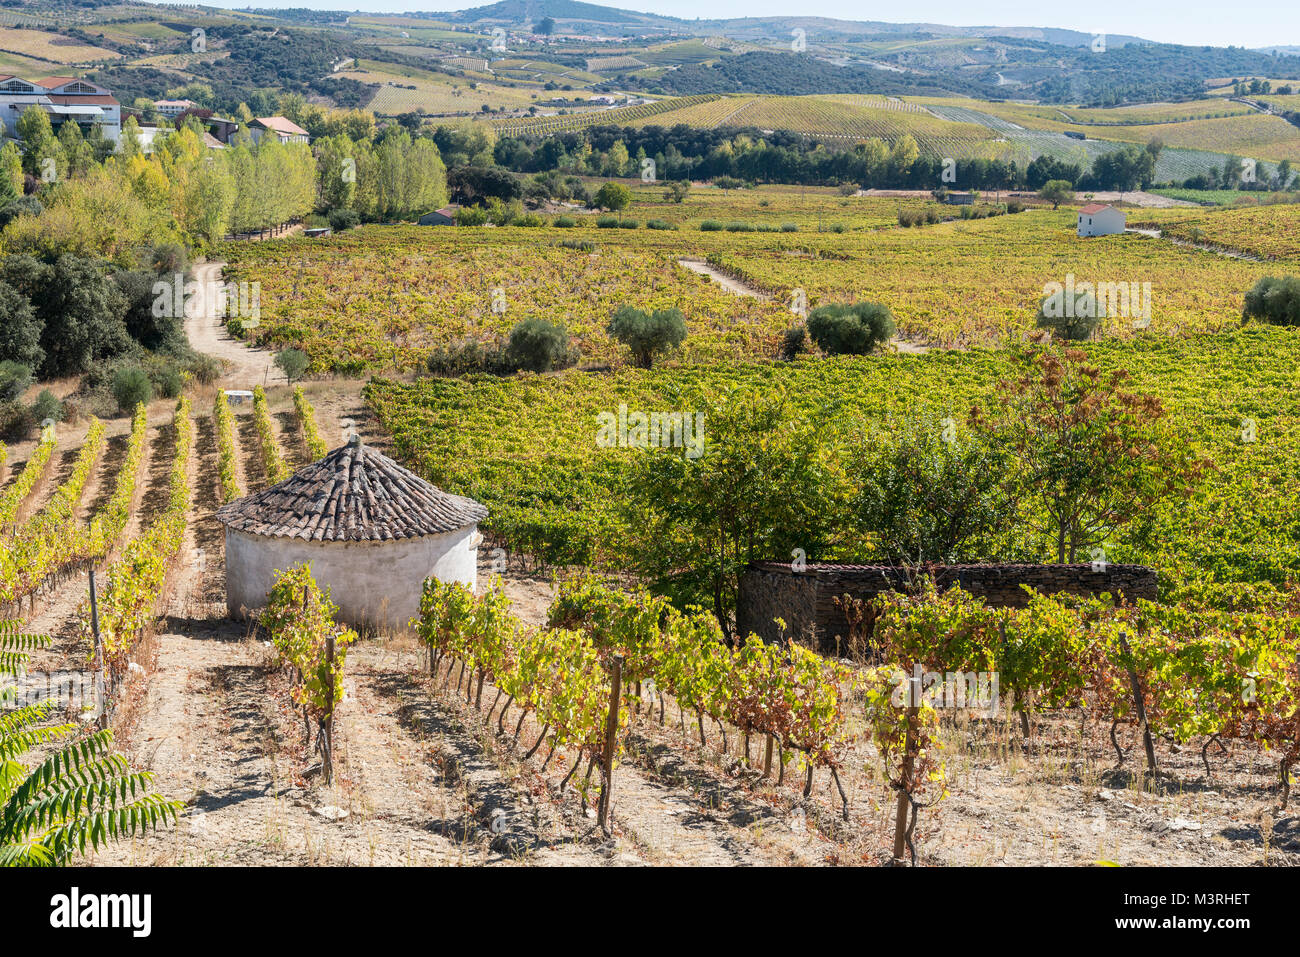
(1261, 23)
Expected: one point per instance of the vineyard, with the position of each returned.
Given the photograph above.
(956, 283)
(619, 116)
(553, 492)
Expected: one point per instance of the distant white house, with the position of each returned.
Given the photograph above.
(174, 107)
(287, 130)
(1099, 219)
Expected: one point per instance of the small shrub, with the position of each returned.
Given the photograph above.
(538, 346)
(293, 363)
(564, 222)
(470, 216)
(794, 342)
(235, 327)
(1274, 300)
(1084, 318)
(131, 386)
(711, 226)
(850, 329)
(648, 334)
(659, 224)
(530, 220)
(168, 381)
(789, 227)
(607, 222)
(735, 226)
(16, 421)
(628, 224)
(583, 245)
(47, 408)
(14, 380)
(343, 219)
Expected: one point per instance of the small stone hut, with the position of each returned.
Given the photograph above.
(371, 530)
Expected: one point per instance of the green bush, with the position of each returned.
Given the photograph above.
(1274, 300)
(131, 386)
(711, 226)
(789, 227)
(583, 245)
(850, 329)
(1088, 311)
(168, 381)
(659, 224)
(343, 219)
(738, 227)
(47, 408)
(470, 216)
(628, 224)
(16, 421)
(648, 334)
(607, 222)
(538, 346)
(14, 380)
(564, 222)
(530, 220)
(235, 327)
(293, 363)
(794, 342)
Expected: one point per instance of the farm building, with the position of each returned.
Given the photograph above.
(960, 199)
(286, 130)
(1098, 219)
(371, 530)
(440, 217)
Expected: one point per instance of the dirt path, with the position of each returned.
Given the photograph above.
(729, 283)
(245, 366)
(741, 288)
(1204, 247)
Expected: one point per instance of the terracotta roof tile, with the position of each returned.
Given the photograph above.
(353, 494)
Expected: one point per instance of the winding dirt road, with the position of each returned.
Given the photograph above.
(245, 366)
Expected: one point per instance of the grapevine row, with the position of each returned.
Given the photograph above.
(224, 421)
(55, 541)
(316, 447)
(277, 469)
(13, 496)
(134, 582)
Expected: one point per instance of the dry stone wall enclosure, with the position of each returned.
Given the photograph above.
(806, 600)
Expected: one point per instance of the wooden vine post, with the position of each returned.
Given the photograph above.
(327, 729)
(611, 738)
(102, 719)
(1138, 704)
(905, 780)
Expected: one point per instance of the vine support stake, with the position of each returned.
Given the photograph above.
(102, 720)
(905, 782)
(611, 737)
(1138, 704)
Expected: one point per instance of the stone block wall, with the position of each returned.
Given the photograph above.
(806, 600)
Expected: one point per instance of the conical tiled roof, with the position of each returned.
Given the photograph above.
(353, 494)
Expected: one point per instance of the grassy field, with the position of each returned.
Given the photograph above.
(51, 46)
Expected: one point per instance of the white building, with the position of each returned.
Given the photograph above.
(371, 530)
(287, 130)
(1098, 219)
(64, 98)
(174, 107)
